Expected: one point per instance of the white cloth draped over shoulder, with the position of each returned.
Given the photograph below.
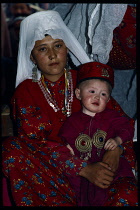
(33, 28)
(93, 26)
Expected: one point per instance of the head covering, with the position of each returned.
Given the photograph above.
(18, 18)
(34, 27)
(95, 70)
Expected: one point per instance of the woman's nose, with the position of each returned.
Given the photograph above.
(52, 54)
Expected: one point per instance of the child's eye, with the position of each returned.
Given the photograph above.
(92, 91)
(103, 94)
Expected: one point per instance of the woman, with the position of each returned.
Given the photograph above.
(36, 162)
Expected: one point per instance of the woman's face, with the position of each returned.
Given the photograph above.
(50, 55)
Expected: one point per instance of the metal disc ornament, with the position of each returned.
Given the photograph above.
(83, 143)
(99, 139)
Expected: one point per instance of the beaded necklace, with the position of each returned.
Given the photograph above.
(68, 94)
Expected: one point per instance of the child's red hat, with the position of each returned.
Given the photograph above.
(95, 70)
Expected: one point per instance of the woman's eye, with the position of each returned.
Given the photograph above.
(42, 49)
(58, 45)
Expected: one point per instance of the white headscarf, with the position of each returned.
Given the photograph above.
(33, 28)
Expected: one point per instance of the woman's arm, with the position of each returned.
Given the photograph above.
(30, 118)
(128, 146)
(102, 173)
(111, 157)
(98, 173)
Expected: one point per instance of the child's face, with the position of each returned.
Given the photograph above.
(94, 95)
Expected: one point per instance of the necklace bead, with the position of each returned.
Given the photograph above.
(66, 110)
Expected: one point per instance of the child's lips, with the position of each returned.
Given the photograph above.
(96, 103)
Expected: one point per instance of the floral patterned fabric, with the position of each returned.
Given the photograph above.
(36, 162)
(123, 193)
(123, 54)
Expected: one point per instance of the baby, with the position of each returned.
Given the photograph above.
(106, 128)
(94, 129)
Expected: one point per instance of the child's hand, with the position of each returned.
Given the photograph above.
(70, 148)
(110, 144)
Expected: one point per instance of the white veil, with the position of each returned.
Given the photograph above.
(33, 28)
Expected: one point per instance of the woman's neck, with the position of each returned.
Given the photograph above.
(53, 78)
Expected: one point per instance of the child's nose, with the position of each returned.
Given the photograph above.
(97, 96)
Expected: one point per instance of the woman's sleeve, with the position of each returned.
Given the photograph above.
(122, 127)
(129, 153)
(61, 158)
(30, 119)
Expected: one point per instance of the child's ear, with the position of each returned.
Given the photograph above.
(108, 100)
(77, 93)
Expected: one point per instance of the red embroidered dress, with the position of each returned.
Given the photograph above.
(36, 161)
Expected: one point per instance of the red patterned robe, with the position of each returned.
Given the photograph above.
(36, 161)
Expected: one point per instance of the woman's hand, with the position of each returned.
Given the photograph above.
(102, 173)
(112, 157)
(98, 173)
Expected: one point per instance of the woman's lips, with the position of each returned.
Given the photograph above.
(53, 64)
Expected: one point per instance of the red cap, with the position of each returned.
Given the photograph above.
(95, 70)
